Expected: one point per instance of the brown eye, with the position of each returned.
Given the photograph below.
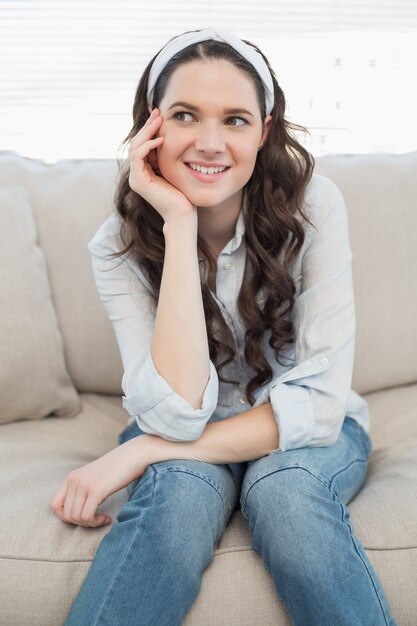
(181, 113)
(241, 119)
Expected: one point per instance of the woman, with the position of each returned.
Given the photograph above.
(234, 257)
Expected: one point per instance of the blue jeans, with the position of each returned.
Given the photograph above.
(147, 570)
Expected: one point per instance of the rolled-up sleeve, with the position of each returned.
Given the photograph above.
(157, 408)
(161, 411)
(309, 401)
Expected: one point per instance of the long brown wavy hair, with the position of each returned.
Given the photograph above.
(274, 194)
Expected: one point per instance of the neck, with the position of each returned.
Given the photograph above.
(217, 225)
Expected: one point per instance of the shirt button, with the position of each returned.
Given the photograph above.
(242, 400)
(227, 266)
(324, 360)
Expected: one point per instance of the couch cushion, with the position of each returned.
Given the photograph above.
(34, 382)
(70, 200)
(380, 191)
(52, 558)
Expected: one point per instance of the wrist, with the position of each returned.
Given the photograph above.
(177, 223)
(154, 449)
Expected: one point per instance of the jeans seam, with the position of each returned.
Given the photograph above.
(328, 484)
(344, 469)
(345, 521)
(294, 466)
(111, 584)
(212, 483)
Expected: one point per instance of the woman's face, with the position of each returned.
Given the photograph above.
(211, 118)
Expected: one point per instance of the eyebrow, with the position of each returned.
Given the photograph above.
(187, 105)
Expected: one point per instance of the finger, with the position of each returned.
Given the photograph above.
(78, 506)
(89, 516)
(142, 151)
(144, 135)
(69, 499)
(146, 132)
(151, 123)
(57, 502)
(154, 113)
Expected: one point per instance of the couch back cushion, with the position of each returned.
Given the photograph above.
(380, 191)
(72, 198)
(34, 382)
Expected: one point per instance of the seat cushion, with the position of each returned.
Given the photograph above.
(45, 560)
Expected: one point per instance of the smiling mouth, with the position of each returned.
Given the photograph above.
(206, 173)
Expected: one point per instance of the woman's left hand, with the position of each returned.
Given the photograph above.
(85, 488)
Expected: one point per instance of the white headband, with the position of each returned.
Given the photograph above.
(182, 41)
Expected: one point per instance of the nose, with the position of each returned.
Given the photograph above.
(210, 139)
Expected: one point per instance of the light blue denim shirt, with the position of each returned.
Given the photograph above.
(310, 394)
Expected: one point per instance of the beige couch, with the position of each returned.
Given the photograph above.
(59, 357)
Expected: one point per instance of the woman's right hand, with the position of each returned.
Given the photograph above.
(169, 201)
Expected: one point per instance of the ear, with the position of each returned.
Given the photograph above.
(149, 109)
(265, 131)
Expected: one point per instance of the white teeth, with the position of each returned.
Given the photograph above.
(206, 170)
